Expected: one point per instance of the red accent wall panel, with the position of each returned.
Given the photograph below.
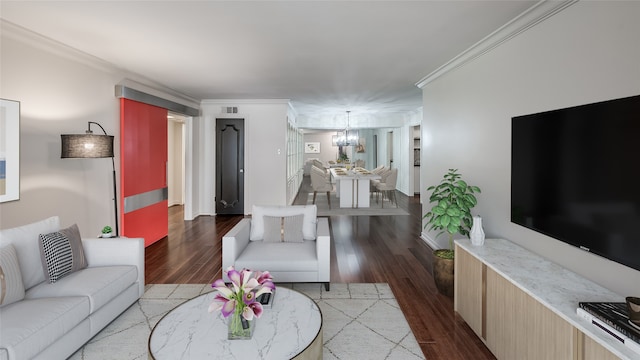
(143, 161)
(147, 222)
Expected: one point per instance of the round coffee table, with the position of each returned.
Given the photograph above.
(290, 329)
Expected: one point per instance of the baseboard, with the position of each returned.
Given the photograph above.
(429, 241)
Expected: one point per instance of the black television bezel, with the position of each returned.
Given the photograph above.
(572, 242)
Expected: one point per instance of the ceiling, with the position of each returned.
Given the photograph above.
(327, 57)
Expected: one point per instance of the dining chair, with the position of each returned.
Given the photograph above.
(389, 187)
(321, 181)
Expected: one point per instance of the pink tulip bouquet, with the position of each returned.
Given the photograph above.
(240, 298)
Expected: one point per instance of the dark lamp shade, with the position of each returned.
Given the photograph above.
(86, 146)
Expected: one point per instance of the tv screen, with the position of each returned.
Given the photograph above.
(575, 176)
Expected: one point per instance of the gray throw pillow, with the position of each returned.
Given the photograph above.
(61, 253)
(11, 286)
(283, 228)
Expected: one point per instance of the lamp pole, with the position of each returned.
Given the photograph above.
(113, 164)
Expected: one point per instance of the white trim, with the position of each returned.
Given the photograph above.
(429, 241)
(17, 32)
(13, 31)
(529, 18)
(243, 101)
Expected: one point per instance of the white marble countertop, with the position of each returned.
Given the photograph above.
(282, 332)
(357, 173)
(557, 288)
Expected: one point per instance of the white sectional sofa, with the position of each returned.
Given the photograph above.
(53, 320)
(306, 260)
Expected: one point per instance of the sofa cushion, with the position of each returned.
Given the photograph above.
(99, 284)
(283, 228)
(30, 326)
(11, 287)
(25, 240)
(61, 253)
(308, 225)
(279, 256)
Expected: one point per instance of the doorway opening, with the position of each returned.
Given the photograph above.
(176, 159)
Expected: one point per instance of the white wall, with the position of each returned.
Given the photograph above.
(60, 90)
(587, 53)
(265, 139)
(175, 170)
(327, 150)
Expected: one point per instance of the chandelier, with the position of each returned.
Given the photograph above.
(348, 137)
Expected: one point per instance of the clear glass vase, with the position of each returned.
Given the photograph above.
(239, 327)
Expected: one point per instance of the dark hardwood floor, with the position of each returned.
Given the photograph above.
(365, 249)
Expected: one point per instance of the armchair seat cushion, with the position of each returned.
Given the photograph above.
(279, 256)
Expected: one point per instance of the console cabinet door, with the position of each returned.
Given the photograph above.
(591, 350)
(468, 299)
(520, 327)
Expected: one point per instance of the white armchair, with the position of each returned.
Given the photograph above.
(308, 260)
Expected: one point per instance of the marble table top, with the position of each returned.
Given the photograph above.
(282, 332)
(356, 173)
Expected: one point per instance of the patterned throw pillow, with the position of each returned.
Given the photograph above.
(283, 228)
(11, 286)
(61, 253)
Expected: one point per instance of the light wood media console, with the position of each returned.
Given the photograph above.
(524, 307)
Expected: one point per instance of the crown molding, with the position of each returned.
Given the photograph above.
(528, 19)
(235, 102)
(10, 30)
(38, 41)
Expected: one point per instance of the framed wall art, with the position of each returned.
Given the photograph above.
(312, 147)
(9, 150)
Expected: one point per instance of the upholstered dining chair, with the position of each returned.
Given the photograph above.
(359, 163)
(383, 171)
(321, 181)
(388, 187)
(317, 163)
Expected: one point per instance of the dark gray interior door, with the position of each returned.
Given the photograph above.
(229, 166)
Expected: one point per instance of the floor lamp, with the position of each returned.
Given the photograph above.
(89, 145)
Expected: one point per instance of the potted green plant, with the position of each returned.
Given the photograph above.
(107, 232)
(450, 214)
(343, 158)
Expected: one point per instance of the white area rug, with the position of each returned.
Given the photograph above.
(382, 207)
(360, 321)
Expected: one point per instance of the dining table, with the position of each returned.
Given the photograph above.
(353, 186)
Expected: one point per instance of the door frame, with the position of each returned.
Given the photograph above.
(243, 156)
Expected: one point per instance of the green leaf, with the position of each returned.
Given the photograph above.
(471, 200)
(445, 220)
(453, 211)
(452, 229)
(461, 184)
(439, 211)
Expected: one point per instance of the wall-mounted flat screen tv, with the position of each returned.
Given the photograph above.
(575, 176)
